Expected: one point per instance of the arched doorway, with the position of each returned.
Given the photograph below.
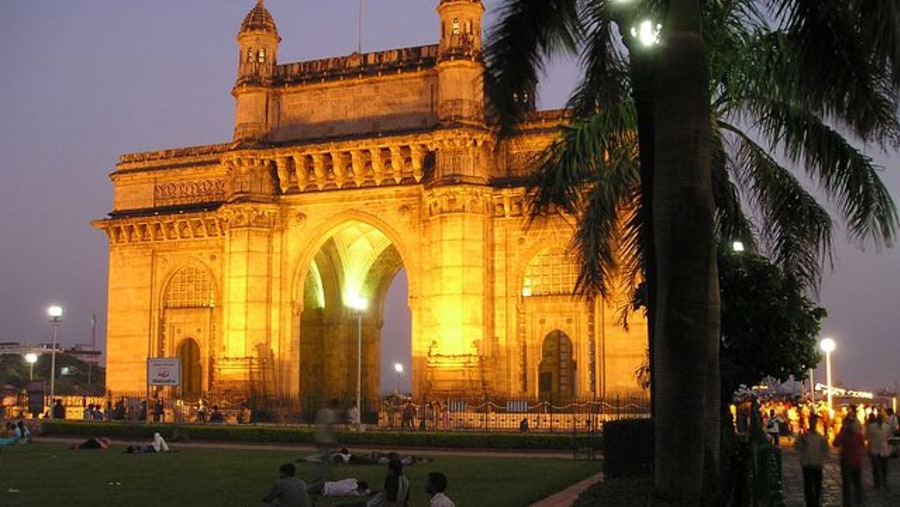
(189, 353)
(556, 373)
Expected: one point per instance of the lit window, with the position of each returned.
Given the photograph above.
(261, 57)
(553, 271)
(455, 26)
(190, 287)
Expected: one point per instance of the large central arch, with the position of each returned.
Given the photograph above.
(340, 343)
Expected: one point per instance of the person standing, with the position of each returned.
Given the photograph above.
(353, 418)
(852, 451)
(288, 490)
(893, 426)
(877, 438)
(59, 411)
(325, 438)
(773, 427)
(813, 449)
(435, 486)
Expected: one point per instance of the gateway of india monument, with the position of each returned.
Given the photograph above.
(263, 263)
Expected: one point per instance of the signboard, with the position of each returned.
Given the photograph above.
(164, 371)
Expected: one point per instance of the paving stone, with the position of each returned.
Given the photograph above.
(792, 477)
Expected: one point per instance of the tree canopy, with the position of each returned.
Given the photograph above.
(769, 326)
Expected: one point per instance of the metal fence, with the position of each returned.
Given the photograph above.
(391, 412)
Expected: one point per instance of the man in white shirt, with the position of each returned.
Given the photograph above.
(435, 486)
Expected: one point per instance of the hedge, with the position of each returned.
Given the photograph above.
(303, 435)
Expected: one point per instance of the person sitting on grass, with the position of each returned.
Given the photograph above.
(395, 492)
(157, 445)
(216, 416)
(435, 486)
(22, 433)
(288, 490)
(8, 436)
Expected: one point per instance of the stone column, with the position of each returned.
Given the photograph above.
(456, 291)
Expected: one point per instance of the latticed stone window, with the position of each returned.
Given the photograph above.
(191, 287)
(553, 271)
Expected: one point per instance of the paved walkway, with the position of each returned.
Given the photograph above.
(792, 477)
(567, 497)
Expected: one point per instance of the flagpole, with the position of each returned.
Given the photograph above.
(359, 40)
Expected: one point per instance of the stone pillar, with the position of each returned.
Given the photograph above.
(456, 292)
(252, 278)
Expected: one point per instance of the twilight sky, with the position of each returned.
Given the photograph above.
(86, 81)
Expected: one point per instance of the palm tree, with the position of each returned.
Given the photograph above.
(768, 77)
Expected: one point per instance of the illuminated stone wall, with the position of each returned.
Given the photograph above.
(245, 258)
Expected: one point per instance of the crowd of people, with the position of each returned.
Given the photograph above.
(858, 433)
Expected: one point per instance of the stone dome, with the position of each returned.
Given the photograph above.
(259, 20)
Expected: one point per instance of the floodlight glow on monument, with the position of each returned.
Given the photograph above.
(357, 302)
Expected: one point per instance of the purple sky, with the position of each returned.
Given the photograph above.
(86, 81)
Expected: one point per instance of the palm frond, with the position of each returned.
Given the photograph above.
(844, 173)
(854, 94)
(876, 25)
(527, 34)
(878, 22)
(732, 223)
(572, 162)
(796, 230)
(605, 68)
(832, 56)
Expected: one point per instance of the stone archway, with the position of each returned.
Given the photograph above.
(339, 343)
(191, 371)
(556, 371)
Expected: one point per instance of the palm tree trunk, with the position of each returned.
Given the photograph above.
(687, 287)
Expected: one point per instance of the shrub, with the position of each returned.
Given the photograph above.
(303, 435)
(628, 447)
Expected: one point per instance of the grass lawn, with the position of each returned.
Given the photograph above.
(50, 474)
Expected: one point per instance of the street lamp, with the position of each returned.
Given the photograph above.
(737, 246)
(827, 345)
(359, 304)
(55, 312)
(398, 367)
(31, 358)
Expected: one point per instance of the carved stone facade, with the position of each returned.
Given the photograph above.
(244, 258)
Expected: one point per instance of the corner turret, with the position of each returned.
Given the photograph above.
(460, 67)
(257, 59)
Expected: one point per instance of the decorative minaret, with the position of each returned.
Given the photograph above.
(460, 68)
(257, 58)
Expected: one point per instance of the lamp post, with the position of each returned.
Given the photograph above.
(31, 358)
(641, 37)
(55, 312)
(827, 345)
(359, 304)
(398, 367)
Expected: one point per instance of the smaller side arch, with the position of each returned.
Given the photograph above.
(188, 351)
